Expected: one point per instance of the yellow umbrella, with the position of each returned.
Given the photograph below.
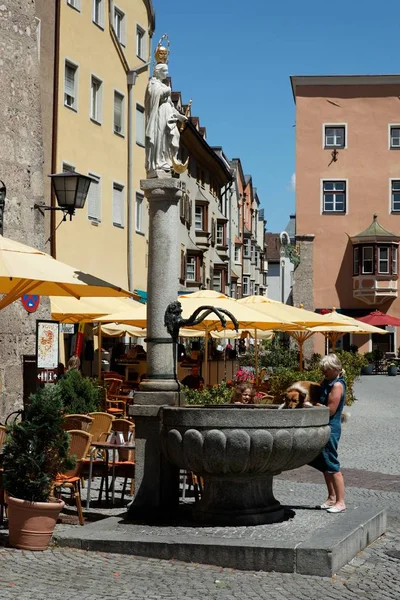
(302, 317)
(116, 330)
(246, 316)
(85, 310)
(242, 333)
(348, 325)
(26, 270)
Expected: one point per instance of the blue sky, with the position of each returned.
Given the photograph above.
(234, 58)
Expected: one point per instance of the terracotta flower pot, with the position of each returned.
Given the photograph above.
(31, 524)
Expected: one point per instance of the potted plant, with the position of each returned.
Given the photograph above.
(368, 369)
(36, 450)
(79, 395)
(392, 369)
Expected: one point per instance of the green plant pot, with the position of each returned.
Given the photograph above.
(392, 371)
(368, 369)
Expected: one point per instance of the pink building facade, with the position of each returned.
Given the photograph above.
(348, 196)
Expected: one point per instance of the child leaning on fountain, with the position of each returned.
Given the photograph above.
(244, 393)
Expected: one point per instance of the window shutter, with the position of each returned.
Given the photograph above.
(118, 205)
(190, 213)
(118, 101)
(140, 125)
(94, 199)
(182, 207)
(69, 80)
(213, 226)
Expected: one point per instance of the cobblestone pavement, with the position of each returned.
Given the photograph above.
(369, 455)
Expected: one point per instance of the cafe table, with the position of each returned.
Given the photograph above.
(107, 446)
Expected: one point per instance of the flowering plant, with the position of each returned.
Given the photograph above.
(243, 375)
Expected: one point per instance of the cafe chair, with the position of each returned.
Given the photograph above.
(79, 447)
(100, 426)
(82, 422)
(115, 401)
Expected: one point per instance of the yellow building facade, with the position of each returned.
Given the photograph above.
(103, 55)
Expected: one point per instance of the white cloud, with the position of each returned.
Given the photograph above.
(293, 182)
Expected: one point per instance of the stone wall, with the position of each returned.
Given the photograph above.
(303, 282)
(21, 163)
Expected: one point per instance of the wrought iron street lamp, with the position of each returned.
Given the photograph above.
(3, 192)
(71, 189)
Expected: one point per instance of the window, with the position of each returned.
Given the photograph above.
(75, 4)
(140, 133)
(394, 260)
(356, 261)
(119, 113)
(70, 85)
(199, 218)
(191, 268)
(95, 99)
(247, 250)
(140, 43)
(237, 254)
(395, 196)
(395, 137)
(119, 25)
(367, 260)
(98, 12)
(246, 285)
(334, 196)
(251, 287)
(220, 234)
(139, 213)
(335, 136)
(94, 199)
(251, 252)
(383, 259)
(217, 281)
(118, 205)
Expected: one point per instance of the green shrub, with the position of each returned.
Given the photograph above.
(218, 394)
(352, 364)
(36, 449)
(79, 394)
(272, 353)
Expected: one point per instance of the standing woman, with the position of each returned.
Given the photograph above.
(333, 394)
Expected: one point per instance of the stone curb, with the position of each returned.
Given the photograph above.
(322, 554)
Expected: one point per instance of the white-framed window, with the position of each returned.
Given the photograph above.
(383, 259)
(251, 287)
(68, 168)
(335, 136)
(140, 42)
(252, 253)
(118, 205)
(139, 213)
(247, 249)
(237, 254)
(119, 116)
(395, 195)
(96, 93)
(394, 136)
(190, 268)
(140, 129)
(367, 260)
(246, 285)
(220, 234)
(70, 85)
(75, 4)
(394, 260)
(334, 197)
(356, 261)
(120, 25)
(94, 199)
(98, 13)
(199, 217)
(217, 281)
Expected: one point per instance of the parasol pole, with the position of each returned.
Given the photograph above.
(256, 355)
(99, 344)
(205, 376)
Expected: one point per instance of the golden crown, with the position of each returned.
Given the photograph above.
(161, 53)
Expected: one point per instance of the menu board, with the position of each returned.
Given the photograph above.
(47, 349)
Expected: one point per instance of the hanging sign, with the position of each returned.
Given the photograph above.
(47, 349)
(79, 340)
(30, 302)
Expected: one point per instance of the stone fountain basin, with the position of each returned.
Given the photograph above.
(237, 449)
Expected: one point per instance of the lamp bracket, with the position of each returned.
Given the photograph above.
(42, 207)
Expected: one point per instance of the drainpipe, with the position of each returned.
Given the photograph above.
(230, 191)
(56, 72)
(132, 77)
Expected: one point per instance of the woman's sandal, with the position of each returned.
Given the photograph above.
(335, 510)
(326, 506)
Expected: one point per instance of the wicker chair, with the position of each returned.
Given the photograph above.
(79, 446)
(82, 422)
(100, 426)
(115, 401)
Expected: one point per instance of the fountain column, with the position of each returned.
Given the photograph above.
(156, 479)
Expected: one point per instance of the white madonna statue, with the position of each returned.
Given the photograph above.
(162, 132)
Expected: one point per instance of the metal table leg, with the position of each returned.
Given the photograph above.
(90, 478)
